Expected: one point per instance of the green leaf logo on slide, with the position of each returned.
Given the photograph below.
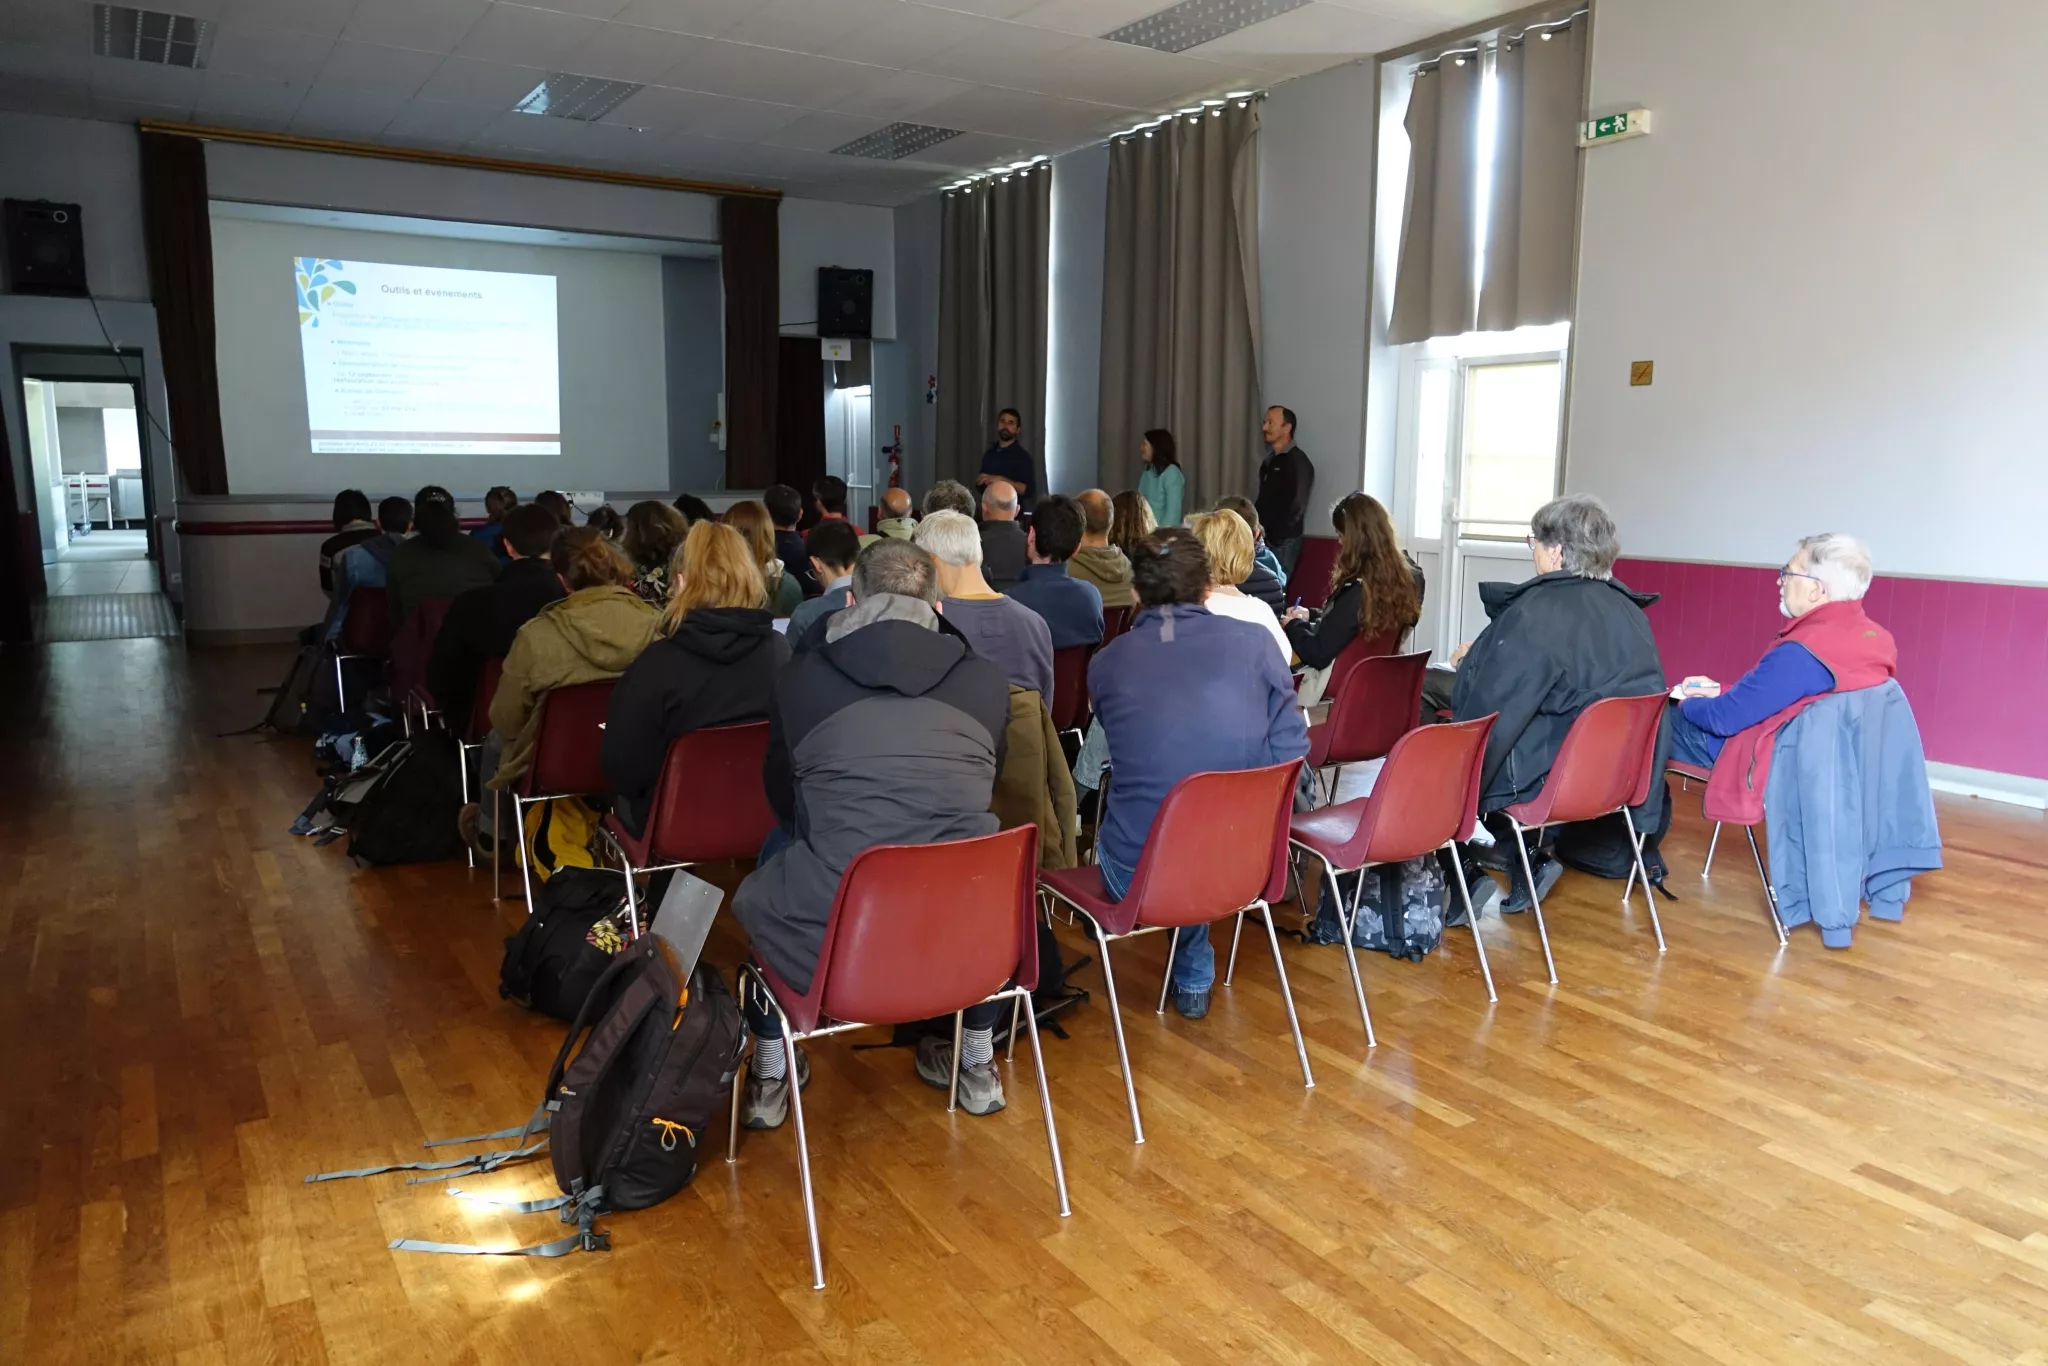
(317, 281)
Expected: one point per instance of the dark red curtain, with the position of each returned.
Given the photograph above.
(800, 416)
(750, 254)
(180, 240)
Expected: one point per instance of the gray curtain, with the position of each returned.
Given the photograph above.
(1019, 273)
(1215, 389)
(964, 421)
(1541, 92)
(1137, 303)
(1434, 287)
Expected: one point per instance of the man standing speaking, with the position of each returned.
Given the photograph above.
(1285, 478)
(1008, 459)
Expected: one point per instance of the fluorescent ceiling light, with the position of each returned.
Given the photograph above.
(1194, 22)
(153, 36)
(565, 95)
(896, 142)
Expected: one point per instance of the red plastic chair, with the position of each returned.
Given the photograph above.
(472, 737)
(1356, 653)
(365, 634)
(411, 644)
(915, 931)
(1070, 687)
(1116, 621)
(1693, 773)
(1426, 797)
(710, 803)
(1309, 583)
(1218, 847)
(565, 760)
(1606, 764)
(1379, 701)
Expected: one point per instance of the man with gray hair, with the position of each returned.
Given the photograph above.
(1000, 629)
(1827, 645)
(949, 495)
(1554, 645)
(891, 732)
(1004, 552)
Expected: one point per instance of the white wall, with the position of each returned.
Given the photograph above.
(903, 367)
(96, 166)
(1835, 248)
(857, 236)
(1073, 385)
(1315, 270)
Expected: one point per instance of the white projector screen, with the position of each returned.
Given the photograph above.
(452, 361)
(421, 360)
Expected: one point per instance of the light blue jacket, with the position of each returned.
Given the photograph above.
(1851, 816)
(1163, 491)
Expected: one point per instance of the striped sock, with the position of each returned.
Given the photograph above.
(769, 1063)
(977, 1046)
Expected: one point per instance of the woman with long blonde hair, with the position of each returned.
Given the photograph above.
(1375, 589)
(752, 520)
(712, 664)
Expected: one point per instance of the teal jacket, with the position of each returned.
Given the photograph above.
(1163, 491)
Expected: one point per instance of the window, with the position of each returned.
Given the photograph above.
(1481, 417)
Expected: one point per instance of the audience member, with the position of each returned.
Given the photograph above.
(828, 498)
(1003, 550)
(832, 548)
(367, 563)
(1183, 691)
(558, 503)
(593, 633)
(437, 562)
(891, 732)
(1000, 629)
(1286, 476)
(756, 526)
(499, 501)
(1007, 459)
(1375, 589)
(694, 509)
(1072, 607)
(654, 532)
(1267, 582)
(353, 525)
(949, 495)
(1097, 561)
(482, 622)
(896, 519)
(786, 508)
(1828, 644)
(713, 664)
(1228, 543)
(1131, 522)
(430, 493)
(1163, 482)
(606, 519)
(1555, 644)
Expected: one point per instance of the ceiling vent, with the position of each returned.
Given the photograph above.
(564, 95)
(896, 142)
(1194, 22)
(147, 35)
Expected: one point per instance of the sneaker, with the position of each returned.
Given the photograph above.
(1485, 892)
(1548, 871)
(766, 1103)
(981, 1088)
(1192, 1005)
(470, 822)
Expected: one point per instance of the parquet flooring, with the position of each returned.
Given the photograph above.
(1724, 1155)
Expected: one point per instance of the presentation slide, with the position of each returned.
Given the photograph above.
(420, 360)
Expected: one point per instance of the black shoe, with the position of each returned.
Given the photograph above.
(1192, 1005)
(1548, 871)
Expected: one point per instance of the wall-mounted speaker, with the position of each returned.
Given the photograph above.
(846, 302)
(45, 248)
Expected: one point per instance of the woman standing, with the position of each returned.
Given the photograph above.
(653, 534)
(1375, 592)
(1131, 521)
(1162, 483)
(754, 524)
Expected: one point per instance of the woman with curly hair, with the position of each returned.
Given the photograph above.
(753, 522)
(1131, 521)
(1375, 590)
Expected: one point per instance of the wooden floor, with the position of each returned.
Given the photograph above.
(1729, 1154)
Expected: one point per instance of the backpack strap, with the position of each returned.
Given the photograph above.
(581, 1211)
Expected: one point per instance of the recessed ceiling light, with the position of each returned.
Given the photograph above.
(1194, 22)
(895, 142)
(565, 95)
(147, 35)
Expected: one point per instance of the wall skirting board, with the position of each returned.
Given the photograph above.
(1973, 657)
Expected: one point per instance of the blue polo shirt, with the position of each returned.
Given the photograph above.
(1071, 607)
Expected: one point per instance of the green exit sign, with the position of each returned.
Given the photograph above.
(1633, 123)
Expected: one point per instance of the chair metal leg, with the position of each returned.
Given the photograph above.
(1472, 918)
(803, 1153)
(1116, 1020)
(519, 833)
(462, 769)
(1308, 1078)
(953, 1089)
(1016, 1006)
(632, 896)
(1708, 867)
(1166, 978)
(1535, 901)
(1770, 892)
(1345, 922)
(1635, 843)
(1052, 1134)
(1236, 929)
(497, 838)
(340, 685)
(739, 1082)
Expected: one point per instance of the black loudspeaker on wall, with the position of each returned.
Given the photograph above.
(45, 248)
(846, 301)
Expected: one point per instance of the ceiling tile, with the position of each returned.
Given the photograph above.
(427, 122)
(527, 37)
(428, 25)
(369, 66)
(52, 66)
(463, 80)
(527, 132)
(891, 95)
(1117, 73)
(626, 52)
(346, 111)
(51, 23)
(979, 151)
(272, 54)
(662, 109)
(810, 25)
(34, 95)
(987, 9)
(1425, 17)
(704, 18)
(1017, 113)
(134, 111)
(821, 132)
(912, 33)
(1330, 32)
(323, 17)
(225, 95)
(593, 9)
(1088, 18)
(113, 79)
(997, 54)
(722, 68)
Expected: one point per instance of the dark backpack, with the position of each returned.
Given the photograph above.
(411, 813)
(564, 947)
(1417, 887)
(292, 710)
(1601, 847)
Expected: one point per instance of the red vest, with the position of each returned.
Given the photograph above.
(1855, 649)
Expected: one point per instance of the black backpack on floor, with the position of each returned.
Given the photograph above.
(564, 947)
(412, 813)
(1601, 847)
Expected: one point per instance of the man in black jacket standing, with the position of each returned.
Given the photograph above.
(481, 622)
(890, 732)
(1286, 476)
